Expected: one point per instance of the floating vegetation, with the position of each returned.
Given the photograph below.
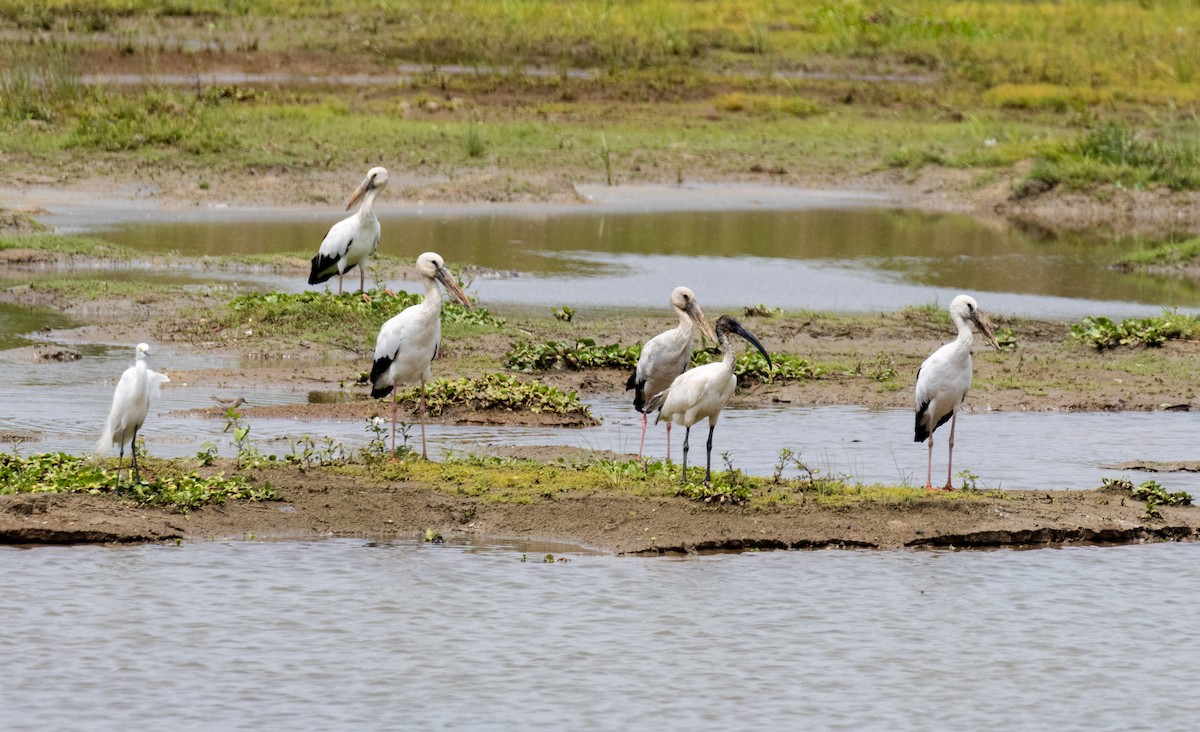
(58, 472)
(496, 391)
(1101, 332)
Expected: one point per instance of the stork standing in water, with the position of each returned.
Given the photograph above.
(131, 403)
(353, 239)
(944, 379)
(408, 342)
(666, 356)
(703, 391)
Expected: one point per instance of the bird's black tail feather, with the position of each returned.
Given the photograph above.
(378, 369)
(322, 269)
(921, 432)
(639, 391)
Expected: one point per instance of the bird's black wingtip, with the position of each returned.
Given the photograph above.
(322, 269)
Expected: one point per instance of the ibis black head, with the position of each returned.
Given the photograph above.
(727, 325)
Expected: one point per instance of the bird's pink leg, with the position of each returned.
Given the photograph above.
(394, 392)
(950, 455)
(362, 279)
(668, 442)
(643, 441)
(423, 455)
(339, 283)
(929, 472)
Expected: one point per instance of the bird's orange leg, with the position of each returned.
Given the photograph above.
(423, 455)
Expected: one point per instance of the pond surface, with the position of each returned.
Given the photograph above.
(347, 633)
(800, 252)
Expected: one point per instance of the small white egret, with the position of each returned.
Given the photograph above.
(408, 342)
(353, 239)
(131, 402)
(703, 391)
(944, 379)
(666, 356)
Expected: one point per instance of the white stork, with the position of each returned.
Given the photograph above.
(131, 402)
(666, 356)
(944, 379)
(353, 239)
(703, 391)
(408, 342)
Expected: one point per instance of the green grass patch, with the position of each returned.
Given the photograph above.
(349, 320)
(83, 246)
(1162, 254)
(767, 105)
(1120, 154)
(162, 483)
(496, 391)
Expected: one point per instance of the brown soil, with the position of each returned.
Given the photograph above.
(326, 504)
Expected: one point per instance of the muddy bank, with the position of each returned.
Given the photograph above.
(322, 503)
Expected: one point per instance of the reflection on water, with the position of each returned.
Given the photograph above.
(848, 258)
(346, 633)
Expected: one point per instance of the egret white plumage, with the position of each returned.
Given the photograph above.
(666, 356)
(703, 391)
(408, 342)
(353, 239)
(945, 377)
(131, 403)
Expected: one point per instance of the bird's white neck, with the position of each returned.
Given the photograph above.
(433, 293)
(364, 208)
(686, 325)
(965, 338)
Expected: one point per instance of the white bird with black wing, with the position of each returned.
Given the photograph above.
(353, 239)
(945, 378)
(704, 391)
(666, 356)
(131, 402)
(408, 342)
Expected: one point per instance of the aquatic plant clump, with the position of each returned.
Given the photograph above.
(496, 391)
(1101, 332)
(752, 367)
(584, 354)
(273, 307)
(59, 472)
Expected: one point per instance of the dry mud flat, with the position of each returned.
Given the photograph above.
(324, 504)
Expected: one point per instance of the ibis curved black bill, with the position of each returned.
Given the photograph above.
(726, 324)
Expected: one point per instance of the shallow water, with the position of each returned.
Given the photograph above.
(66, 404)
(342, 633)
(817, 253)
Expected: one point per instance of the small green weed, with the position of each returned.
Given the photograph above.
(62, 473)
(1151, 492)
